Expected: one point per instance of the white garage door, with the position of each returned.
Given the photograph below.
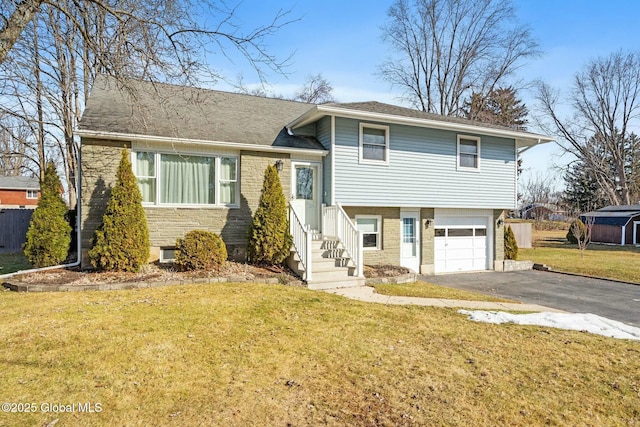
(461, 244)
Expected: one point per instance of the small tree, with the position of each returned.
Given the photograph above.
(580, 233)
(269, 237)
(510, 244)
(121, 243)
(49, 232)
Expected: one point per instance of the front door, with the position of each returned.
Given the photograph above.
(410, 240)
(306, 193)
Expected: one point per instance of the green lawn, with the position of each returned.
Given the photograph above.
(248, 354)
(12, 262)
(429, 290)
(607, 261)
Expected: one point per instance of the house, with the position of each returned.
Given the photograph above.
(368, 182)
(619, 225)
(19, 192)
(543, 211)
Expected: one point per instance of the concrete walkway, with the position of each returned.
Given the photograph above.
(367, 294)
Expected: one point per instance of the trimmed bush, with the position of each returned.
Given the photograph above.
(583, 231)
(269, 237)
(49, 232)
(510, 244)
(200, 250)
(121, 243)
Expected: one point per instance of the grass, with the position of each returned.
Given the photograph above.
(248, 354)
(12, 262)
(606, 261)
(429, 290)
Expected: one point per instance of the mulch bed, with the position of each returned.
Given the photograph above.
(156, 275)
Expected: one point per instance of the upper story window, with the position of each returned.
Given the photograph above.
(374, 144)
(177, 179)
(32, 194)
(468, 152)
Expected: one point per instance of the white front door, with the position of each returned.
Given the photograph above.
(410, 240)
(305, 195)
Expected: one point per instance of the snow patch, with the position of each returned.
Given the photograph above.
(573, 321)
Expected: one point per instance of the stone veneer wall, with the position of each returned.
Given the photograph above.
(100, 160)
(427, 235)
(167, 224)
(389, 254)
(498, 249)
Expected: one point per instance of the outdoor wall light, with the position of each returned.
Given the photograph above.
(279, 165)
(428, 223)
(500, 222)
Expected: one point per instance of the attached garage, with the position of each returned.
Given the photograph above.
(463, 240)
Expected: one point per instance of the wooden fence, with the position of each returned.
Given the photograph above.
(13, 228)
(522, 231)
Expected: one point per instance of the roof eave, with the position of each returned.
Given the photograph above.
(523, 139)
(117, 136)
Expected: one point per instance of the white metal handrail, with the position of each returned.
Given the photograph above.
(336, 223)
(302, 238)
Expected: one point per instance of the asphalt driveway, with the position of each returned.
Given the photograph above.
(618, 301)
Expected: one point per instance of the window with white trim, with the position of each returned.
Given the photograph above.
(32, 194)
(468, 152)
(374, 144)
(185, 179)
(371, 227)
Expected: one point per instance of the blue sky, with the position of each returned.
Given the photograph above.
(342, 40)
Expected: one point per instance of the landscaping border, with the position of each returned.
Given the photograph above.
(35, 287)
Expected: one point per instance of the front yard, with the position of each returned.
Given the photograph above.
(249, 354)
(606, 261)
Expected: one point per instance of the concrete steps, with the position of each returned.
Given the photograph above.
(331, 268)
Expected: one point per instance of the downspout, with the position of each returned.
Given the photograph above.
(76, 263)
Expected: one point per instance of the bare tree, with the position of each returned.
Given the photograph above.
(539, 196)
(582, 233)
(448, 49)
(51, 52)
(606, 104)
(316, 90)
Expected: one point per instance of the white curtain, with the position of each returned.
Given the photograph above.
(145, 170)
(187, 179)
(228, 180)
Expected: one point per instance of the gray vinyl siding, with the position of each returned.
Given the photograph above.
(308, 130)
(422, 170)
(323, 134)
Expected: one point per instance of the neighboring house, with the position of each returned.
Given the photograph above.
(543, 211)
(19, 192)
(618, 225)
(370, 182)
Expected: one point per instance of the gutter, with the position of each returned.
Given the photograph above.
(320, 110)
(77, 262)
(151, 139)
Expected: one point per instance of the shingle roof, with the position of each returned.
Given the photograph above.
(621, 208)
(19, 183)
(381, 108)
(164, 110)
(612, 217)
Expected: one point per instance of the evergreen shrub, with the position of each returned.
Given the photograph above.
(571, 237)
(510, 244)
(49, 232)
(121, 243)
(200, 250)
(269, 237)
